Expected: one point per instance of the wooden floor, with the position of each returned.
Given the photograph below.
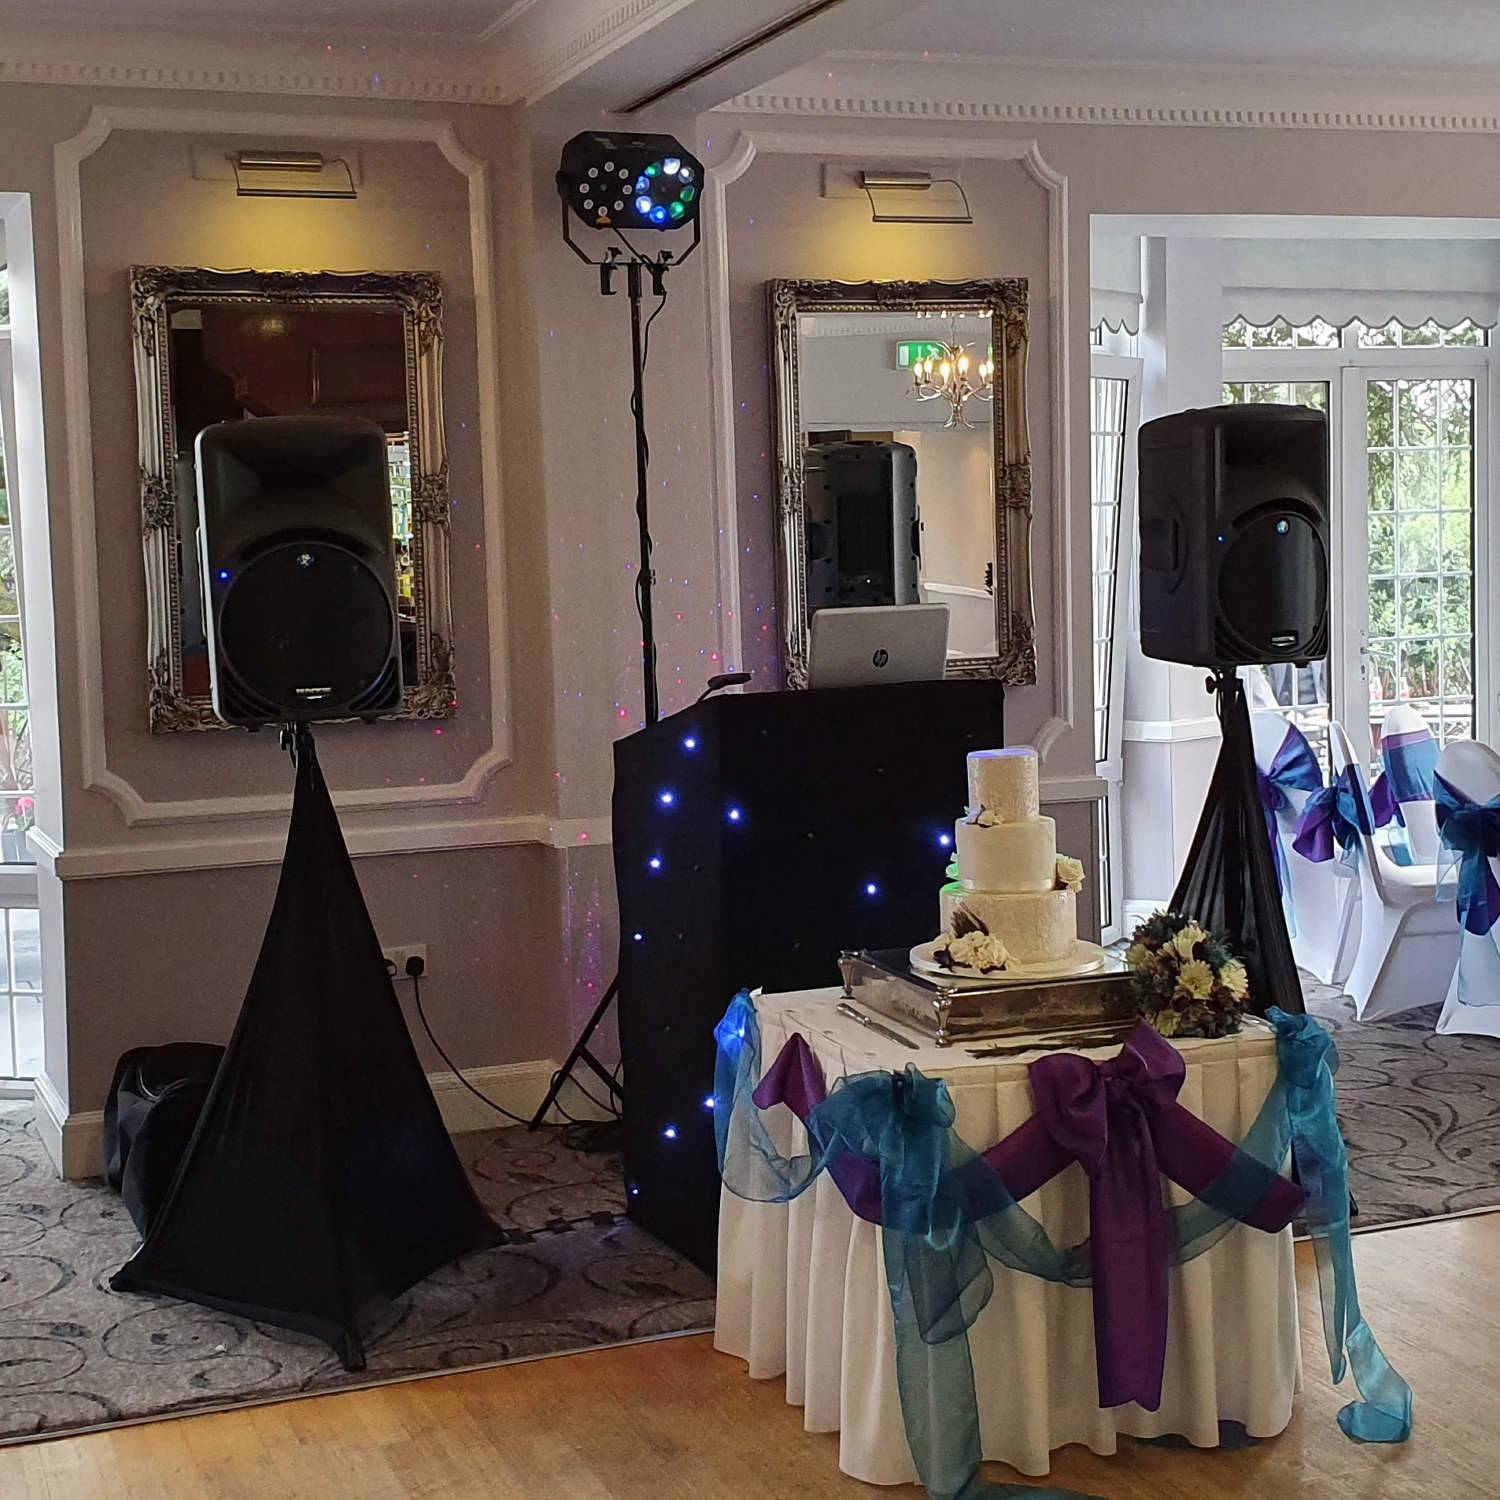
(676, 1421)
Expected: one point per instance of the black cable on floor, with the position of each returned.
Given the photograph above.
(591, 1137)
(416, 989)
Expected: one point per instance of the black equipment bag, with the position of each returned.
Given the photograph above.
(153, 1105)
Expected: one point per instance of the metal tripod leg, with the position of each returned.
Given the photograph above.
(581, 1053)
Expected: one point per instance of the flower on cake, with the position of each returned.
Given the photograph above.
(974, 950)
(1069, 873)
(1186, 981)
(984, 818)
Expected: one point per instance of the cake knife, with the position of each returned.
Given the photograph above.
(1063, 1042)
(854, 1014)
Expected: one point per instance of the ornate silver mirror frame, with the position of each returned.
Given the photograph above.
(155, 293)
(1005, 300)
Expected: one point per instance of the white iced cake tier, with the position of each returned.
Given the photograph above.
(1035, 926)
(1007, 856)
(1005, 783)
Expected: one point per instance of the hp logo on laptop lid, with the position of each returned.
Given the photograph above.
(881, 657)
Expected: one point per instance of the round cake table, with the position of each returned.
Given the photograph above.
(802, 1288)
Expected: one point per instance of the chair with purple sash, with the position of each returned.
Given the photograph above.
(1402, 796)
(1407, 943)
(1319, 898)
(1467, 787)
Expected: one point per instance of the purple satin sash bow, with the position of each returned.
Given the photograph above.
(1120, 1120)
(1294, 768)
(1336, 814)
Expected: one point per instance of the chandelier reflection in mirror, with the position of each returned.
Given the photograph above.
(947, 370)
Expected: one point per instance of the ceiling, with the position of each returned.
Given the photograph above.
(592, 54)
(459, 19)
(1384, 34)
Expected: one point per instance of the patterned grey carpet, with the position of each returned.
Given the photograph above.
(73, 1354)
(1420, 1113)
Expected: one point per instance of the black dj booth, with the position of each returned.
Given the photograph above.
(755, 837)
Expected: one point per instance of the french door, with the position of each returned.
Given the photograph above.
(1410, 592)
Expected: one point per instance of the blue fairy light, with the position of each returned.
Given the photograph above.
(639, 937)
(654, 863)
(735, 815)
(223, 575)
(708, 1103)
(668, 798)
(670, 1133)
(635, 1192)
(871, 889)
(945, 840)
(689, 743)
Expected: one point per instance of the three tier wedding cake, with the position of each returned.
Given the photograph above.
(1012, 899)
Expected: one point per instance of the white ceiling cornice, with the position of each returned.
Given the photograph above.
(869, 86)
(531, 47)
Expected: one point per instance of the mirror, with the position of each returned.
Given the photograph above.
(903, 467)
(215, 346)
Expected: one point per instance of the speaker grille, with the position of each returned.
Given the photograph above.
(307, 630)
(1273, 591)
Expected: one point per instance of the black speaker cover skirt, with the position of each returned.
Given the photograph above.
(320, 1181)
(1229, 880)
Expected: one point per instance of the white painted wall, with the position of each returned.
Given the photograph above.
(1171, 738)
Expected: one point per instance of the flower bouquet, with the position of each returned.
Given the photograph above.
(1186, 981)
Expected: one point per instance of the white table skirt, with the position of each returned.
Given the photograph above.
(802, 1289)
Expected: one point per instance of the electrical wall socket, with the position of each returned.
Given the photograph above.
(398, 953)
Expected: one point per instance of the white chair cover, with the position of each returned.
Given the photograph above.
(1405, 742)
(1407, 951)
(1473, 1003)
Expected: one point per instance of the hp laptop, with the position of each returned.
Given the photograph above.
(878, 643)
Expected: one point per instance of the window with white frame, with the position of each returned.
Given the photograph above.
(1409, 452)
(16, 785)
(1114, 416)
(20, 943)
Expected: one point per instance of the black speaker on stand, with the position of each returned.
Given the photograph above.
(319, 1182)
(299, 576)
(1234, 572)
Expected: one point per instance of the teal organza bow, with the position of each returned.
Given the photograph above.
(1308, 1062)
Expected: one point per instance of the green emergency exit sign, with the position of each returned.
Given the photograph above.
(908, 354)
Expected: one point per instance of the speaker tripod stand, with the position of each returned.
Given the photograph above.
(1229, 880)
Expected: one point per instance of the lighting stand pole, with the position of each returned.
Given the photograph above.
(657, 269)
(647, 578)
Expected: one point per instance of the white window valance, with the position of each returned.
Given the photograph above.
(1115, 280)
(1338, 280)
(1373, 281)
